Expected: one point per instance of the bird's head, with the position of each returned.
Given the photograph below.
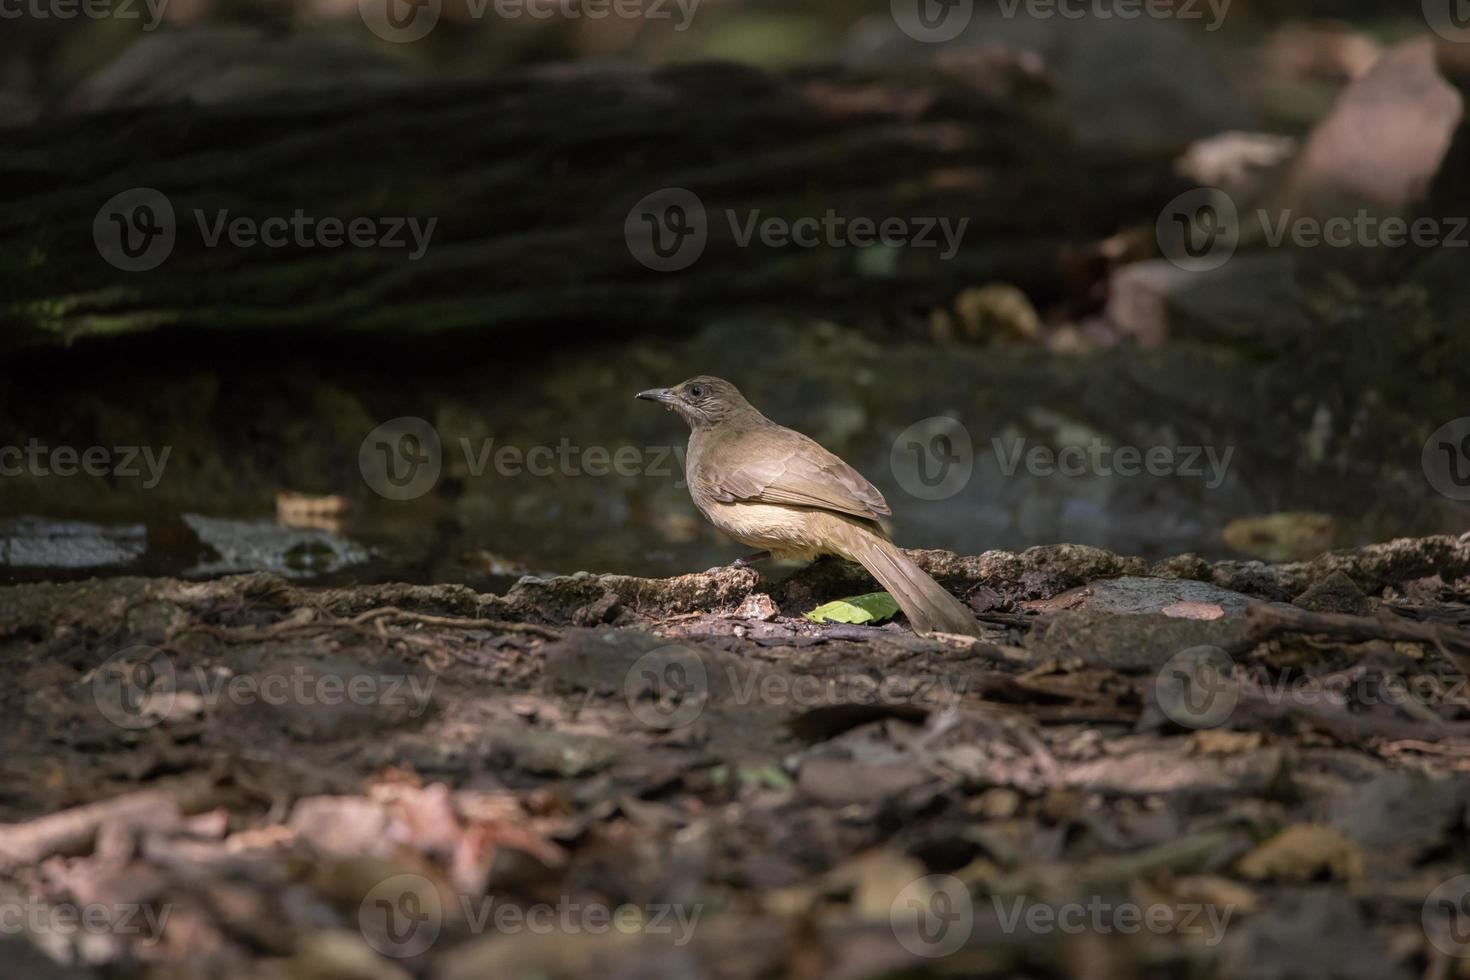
(703, 401)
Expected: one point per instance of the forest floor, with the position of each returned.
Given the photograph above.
(1177, 768)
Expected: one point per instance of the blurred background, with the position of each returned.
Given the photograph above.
(1131, 190)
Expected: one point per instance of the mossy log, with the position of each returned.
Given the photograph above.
(531, 179)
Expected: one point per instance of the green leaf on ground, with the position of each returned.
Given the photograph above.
(874, 607)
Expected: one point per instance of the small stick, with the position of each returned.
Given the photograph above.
(1265, 621)
(393, 612)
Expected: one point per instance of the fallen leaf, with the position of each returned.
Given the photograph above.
(1194, 610)
(1304, 852)
(1222, 741)
(874, 607)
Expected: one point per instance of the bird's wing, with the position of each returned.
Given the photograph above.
(792, 470)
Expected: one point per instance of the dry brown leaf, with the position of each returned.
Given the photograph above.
(1304, 852)
(1193, 610)
(1221, 741)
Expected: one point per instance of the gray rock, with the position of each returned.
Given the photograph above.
(1135, 595)
(33, 542)
(1383, 142)
(264, 546)
(1249, 296)
(1135, 84)
(219, 64)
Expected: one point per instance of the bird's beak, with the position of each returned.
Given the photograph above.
(657, 395)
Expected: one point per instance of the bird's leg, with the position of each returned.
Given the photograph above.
(751, 559)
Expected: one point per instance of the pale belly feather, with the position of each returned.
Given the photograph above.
(786, 532)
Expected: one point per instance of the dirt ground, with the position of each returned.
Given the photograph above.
(1176, 769)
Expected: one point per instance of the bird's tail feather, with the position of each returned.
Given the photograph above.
(929, 607)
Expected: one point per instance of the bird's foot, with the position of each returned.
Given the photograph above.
(749, 560)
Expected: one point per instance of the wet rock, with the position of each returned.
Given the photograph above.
(1335, 594)
(1135, 84)
(264, 546)
(556, 754)
(560, 599)
(1133, 595)
(628, 663)
(312, 699)
(1272, 947)
(840, 782)
(603, 609)
(1383, 142)
(759, 607)
(1128, 643)
(1166, 770)
(1281, 537)
(219, 64)
(1399, 817)
(1249, 297)
(34, 542)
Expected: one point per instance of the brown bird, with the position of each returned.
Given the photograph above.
(774, 489)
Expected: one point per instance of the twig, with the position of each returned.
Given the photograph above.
(393, 612)
(1265, 621)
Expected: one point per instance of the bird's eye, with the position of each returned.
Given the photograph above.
(697, 391)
